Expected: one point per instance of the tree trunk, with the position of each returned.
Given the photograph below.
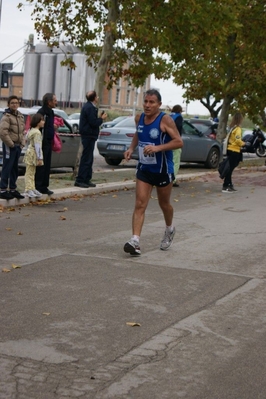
(107, 48)
(223, 120)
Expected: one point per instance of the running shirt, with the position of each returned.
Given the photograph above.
(159, 162)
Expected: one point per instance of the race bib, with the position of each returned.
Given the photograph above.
(149, 159)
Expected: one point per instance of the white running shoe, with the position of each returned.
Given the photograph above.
(37, 193)
(167, 240)
(30, 194)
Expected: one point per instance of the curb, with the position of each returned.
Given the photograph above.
(100, 188)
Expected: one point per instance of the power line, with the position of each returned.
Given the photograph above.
(25, 45)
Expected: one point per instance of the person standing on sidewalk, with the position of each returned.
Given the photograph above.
(156, 137)
(33, 156)
(176, 114)
(89, 127)
(234, 153)
(42, 175)
(12, 128)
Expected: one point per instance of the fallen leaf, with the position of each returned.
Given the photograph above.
(6, 270)
(16, 266)
(8, 228)
(46, 314)
(19, 233)
(132, 324)
(62, 218)
(176, 200)
(115, 196)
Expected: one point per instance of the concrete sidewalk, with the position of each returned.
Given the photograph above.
(117, 179)
(63, 185)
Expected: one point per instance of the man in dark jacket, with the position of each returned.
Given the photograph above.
(89, 127)
(43, 172)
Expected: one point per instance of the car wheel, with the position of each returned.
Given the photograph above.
(213, 158)
(112, 161)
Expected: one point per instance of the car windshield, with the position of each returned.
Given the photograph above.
(201, 128)
(61, 113)
(74, 116)
(128, 122)
(118, 119)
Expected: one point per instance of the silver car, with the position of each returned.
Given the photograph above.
(198, 148)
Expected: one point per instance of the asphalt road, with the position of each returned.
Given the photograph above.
(71, 291)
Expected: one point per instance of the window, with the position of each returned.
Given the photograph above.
(117, 96)
(128, 97)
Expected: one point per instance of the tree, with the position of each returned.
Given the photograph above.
(210, 47)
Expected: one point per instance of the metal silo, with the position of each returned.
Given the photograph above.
(62, 81)
(78, 79)
(47, 74)
(31, 78)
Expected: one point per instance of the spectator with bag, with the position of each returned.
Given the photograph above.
(234, 154)
(12, 128)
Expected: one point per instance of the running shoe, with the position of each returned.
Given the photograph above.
(132, 247)
(37, 193)
(167, 240)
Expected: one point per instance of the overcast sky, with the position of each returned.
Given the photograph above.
(15, 28)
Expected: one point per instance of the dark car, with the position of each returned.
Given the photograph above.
(70, 142)
(198, 148)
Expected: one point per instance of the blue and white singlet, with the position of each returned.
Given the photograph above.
(159, 162)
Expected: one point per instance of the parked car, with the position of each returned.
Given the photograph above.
(198, 148)
(75, 118)
(114, 121)
(70, 142)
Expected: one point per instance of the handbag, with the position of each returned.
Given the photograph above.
(225, 141)
(57, 143)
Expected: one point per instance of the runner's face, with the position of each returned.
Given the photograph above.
(151, 105)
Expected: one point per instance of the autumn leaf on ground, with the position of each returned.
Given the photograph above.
(6, 270)
(132, 324)
(46, 314)
(8, 228)
(19, 233)
(176, 200)
(114, 196)
(62, 210)
(62, 218)
(15, 266)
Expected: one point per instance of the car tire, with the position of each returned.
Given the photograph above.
(112, 161)
(213, 158)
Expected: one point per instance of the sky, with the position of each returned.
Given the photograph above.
(15, 28)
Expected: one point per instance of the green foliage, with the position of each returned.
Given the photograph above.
(214, 49)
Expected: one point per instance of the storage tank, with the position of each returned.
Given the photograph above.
(90, 79)
(62, 81)
(31, 78)
(47, 74)
(43, 48)
(78, 79)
